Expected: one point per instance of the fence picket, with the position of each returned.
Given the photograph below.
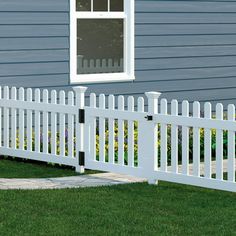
(140, 104)
(140, 109)
(174, 138)
(231, 145)
(93, 129)
(163, 166)
(6, 117)
(109, 63)
(79, 62)
(91, 64)
(70, 131)
(104, 63)
(121, 132)
(219, 144)
(121, 63)
(131, 133)
(53, 139)
(196, 141)
(21, 120)
(37, 123)
(111, 128)
(185, 140)
(62, 124)
(29, 120)
(116, 65)
(97, 68)
(85, 66)
(207, 142)
(13, 119)
(102, 131)
(45, 122)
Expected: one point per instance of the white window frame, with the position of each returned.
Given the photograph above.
(128, 16)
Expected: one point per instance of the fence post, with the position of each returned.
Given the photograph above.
(79, 103)
(148, 139)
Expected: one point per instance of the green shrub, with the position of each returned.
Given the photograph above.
(213, 144)
(225, 142)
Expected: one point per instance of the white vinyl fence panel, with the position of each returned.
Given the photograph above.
(170, 146)
(120, 136)
(26, 132)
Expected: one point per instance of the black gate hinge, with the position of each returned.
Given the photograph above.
(81, 116)
(81, 158)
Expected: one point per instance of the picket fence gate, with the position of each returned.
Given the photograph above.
(119, 135)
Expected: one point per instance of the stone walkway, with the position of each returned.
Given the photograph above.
(103, 179)
(202, 169)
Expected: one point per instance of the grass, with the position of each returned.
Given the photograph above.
(135, 209)
(18, 168)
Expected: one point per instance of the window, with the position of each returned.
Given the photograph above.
(101, 40)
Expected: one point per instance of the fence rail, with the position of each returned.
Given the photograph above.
(120, 136)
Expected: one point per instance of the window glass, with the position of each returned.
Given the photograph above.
(116, 5)
(100, 5)
(83, 5)
(100, 46)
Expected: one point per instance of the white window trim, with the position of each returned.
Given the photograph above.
(128, 16)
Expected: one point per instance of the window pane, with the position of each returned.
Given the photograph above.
(83, 5)
(100, 46)
(117, 5)
(100, 5)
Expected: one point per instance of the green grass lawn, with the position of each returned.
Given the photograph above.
(135, 209)
(18, 168)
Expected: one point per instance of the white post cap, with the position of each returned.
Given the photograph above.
(80, 89)
(153, 95)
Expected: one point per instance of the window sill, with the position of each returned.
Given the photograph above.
(101, 78)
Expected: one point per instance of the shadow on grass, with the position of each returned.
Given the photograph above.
(22, 168)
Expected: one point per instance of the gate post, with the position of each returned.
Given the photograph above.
(79, 103)
(148, 139)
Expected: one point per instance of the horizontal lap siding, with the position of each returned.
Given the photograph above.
(184, 49)
(34, 43)
(187, 49)
(34, 6)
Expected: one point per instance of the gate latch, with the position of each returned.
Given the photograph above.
(149, 118)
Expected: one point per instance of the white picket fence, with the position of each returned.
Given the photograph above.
(33, 122)
(120, 136)
(152, 159)
(93, 66)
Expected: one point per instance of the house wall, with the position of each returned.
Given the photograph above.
(184, 49)
(34, 42)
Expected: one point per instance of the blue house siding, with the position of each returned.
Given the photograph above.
(34, 42)
(184, 49)
(187, 48)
